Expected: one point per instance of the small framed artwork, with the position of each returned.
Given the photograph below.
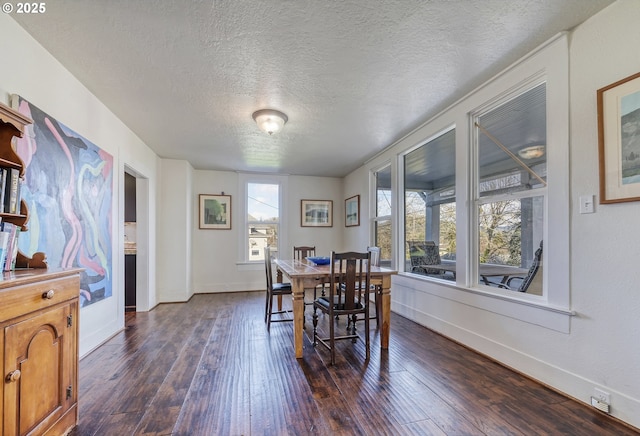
(352, 211)
(316, 213)
(215, 212)
(619, 140)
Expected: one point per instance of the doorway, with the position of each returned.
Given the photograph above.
(136, 242)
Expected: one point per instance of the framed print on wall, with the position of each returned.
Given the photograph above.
(352, 211)
(215, 212)
(619, 140)
(316, 213)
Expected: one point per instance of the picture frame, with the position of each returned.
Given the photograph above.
(316, 213)
(215, 212)
(352, 211)
(619, 140)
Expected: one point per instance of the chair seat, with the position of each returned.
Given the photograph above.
(282, 288)
(338, 306)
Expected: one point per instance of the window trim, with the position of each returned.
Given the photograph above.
(244, 180)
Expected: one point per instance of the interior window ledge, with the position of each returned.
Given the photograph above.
(534, 312)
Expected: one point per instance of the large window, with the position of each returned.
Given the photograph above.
(511, 188)
(263, 219)
(382, 216)
(430, 208)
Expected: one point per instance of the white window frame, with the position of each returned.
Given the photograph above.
(244, 180)
(553, 311)
(476, 200)
(373, 208)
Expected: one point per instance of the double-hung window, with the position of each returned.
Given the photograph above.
(262, 223)
(430, 207)
(510, 188)
(382, 235)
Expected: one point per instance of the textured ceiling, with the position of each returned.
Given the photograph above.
(353, 76)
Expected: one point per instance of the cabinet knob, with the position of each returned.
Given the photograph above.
(13, 376)
(48, 295)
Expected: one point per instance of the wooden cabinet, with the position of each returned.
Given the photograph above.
(39, 346)
(39, 322)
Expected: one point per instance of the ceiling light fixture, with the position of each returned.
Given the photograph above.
(532, 152)
(270, 120)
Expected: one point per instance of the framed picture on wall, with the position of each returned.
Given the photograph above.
(215, 212)
(352, 211)
(316, 213)
(619, 140)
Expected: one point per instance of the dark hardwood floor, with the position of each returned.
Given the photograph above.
(209, 367)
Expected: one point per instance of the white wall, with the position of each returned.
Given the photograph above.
(216, 257)
(30, 71)
(599, 347)
(175, 212)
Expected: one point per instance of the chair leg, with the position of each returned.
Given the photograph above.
(332, 341)
(366, 336)
(378, 303)
(266, 307)
(270, 312)
(315, 326)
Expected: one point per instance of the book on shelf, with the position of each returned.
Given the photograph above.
(3, 185)
(12, 191)
(9, 245)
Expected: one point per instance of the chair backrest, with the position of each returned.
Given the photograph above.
(375, 255)
(424, 253)
(350, 279)
(267, 267)
(533, 270)
(302, 251)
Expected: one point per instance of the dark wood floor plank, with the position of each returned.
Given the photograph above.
(209, 367)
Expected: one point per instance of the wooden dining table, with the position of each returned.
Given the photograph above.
(304, 274)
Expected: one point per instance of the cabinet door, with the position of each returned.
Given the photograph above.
(40, 348)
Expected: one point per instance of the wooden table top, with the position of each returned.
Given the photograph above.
(305, 268)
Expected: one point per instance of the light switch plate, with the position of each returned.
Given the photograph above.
(586, 204)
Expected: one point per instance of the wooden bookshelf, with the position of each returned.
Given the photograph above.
(13, 124)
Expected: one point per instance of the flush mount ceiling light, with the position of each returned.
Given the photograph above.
(532, 152)
(270, 120)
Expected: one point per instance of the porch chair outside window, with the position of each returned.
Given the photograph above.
(274, 290)
(423, 254)
(348, 295)
(522, 284)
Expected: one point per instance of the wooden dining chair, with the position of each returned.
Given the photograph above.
(376, 290)
(300, 253)
(348, 294)
(274, 290)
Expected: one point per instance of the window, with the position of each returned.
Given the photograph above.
(430, 208)
(263, 219)
(511, 187)
(382, 217)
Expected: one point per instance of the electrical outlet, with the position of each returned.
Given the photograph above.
(603, 407)
(602, 396)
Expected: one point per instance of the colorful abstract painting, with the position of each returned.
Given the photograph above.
(68, 188)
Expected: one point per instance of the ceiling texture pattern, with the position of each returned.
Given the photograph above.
(353, 76)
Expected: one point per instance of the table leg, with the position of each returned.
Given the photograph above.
(298, 315)
(279, 280)
(386, 312)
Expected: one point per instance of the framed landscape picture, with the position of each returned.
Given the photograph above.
(215, 212)
(352, 211)
(316, 213)
(619, 140)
